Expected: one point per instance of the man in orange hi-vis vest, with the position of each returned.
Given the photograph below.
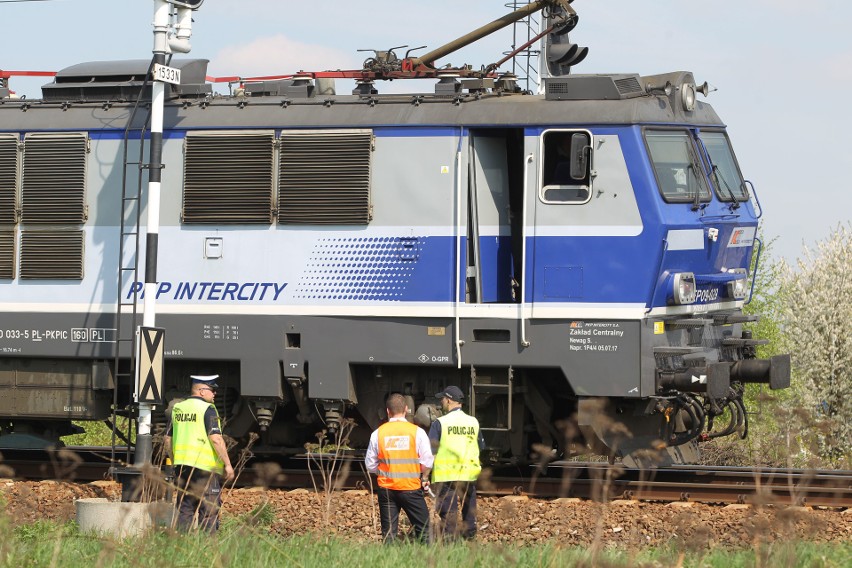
(401, 456)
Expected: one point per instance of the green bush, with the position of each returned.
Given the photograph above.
(97, 434)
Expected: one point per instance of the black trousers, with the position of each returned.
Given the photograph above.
(447, 502)
(414, 505)
(198, 491)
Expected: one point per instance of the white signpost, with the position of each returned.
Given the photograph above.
(164, 43)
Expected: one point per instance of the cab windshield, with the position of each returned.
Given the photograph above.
(679, 174)
(724, 172)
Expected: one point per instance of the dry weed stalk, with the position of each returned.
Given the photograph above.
(373, 503)
(332, 468)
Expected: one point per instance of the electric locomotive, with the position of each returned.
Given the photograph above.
(576, 260)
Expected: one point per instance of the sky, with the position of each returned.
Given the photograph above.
(777, 67)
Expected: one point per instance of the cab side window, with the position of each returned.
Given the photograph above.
(567, 170)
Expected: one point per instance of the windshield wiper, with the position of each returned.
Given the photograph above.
(696, 203)
(734, 203)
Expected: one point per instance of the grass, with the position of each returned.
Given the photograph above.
(96, 434)
(244, 543)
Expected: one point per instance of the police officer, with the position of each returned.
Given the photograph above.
(400, 454)
(194, 439)
(458, 439)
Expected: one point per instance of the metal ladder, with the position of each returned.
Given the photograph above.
(128, 267)
(525, 63)
(479, 386)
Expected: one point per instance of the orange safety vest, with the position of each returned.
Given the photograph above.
(399, 465)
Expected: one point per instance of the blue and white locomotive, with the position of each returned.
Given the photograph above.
(577, 261)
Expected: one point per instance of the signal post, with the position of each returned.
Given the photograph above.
(162, 74)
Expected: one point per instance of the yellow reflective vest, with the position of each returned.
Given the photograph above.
(190, 444)
(458, 453)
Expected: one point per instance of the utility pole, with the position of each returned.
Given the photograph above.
(163, 45)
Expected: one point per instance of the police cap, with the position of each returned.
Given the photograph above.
(453, 393)
(208, 380)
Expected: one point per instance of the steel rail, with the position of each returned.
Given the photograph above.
(596, 481)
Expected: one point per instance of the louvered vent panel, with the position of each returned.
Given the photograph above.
(324, 178)
(628, 85)
(54, 179)
(53, 255)
(556, 87)
(7, 255)
(8, 176)
(227, 178)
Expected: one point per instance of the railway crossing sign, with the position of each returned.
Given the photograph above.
(150, 357)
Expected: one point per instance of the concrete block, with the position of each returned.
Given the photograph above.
(121, 519)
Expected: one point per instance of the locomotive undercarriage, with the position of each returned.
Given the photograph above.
(532, 414)
(698, 367)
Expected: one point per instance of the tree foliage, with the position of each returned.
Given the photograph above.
(805, 310)
(817, 330)
(773, 432)
(767, 300)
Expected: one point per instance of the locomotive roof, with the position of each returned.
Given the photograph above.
(349, 111)
(478, 108)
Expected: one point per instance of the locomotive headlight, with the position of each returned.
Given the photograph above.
(683, 288)
(687, 96)
(737, 288)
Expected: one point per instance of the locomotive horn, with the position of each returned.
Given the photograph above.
(667, 88)
(704, 88)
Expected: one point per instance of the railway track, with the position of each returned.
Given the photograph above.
(828, 488)
(595, 481)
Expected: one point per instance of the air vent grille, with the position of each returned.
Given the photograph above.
(52, 255)
(228, 178)
(324, 177)
(8, 178)
(7, 255)
(54, 179)
(629, 85)
(593, 87)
